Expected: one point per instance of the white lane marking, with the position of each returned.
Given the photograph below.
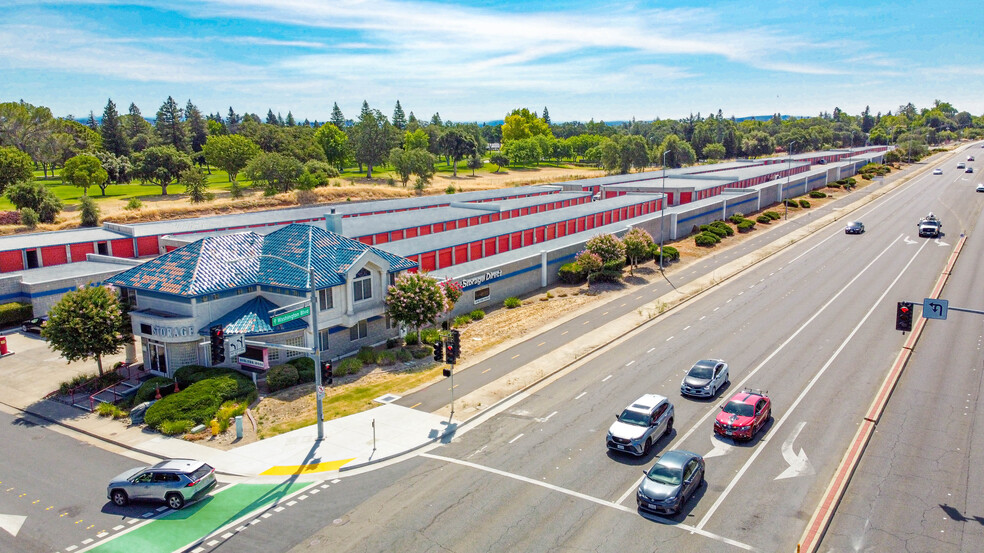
(670, 338)
(740, 293)
(606, 378)
(716, 308)
(702, 317)
(546, 418)
(686, 327)
(809, 386)
(630, 362)
(514, 439)
(650, 350)
(722, 446)
(582, 394)
(597, 501)
(775, 352)
(799, 465)
(729, 300)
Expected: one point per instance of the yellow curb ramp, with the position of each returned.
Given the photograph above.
(287, 470)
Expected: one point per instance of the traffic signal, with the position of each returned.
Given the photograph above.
(328, 374)
(903, 316)
(447, 372)
(449, 357)
(439, 351)
(456, 343)
(217, 340)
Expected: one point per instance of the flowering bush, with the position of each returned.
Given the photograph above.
(10, 217)
(416, 300)
(606, 246)
(452, 291)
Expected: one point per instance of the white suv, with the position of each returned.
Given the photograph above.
(641, 424)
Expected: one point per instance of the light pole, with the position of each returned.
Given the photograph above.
(662, 207)
(789, 175)
(316, 350)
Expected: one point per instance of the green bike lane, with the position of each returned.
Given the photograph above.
(179, 529)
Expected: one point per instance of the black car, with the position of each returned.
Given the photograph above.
(969, 170)
(35, 325)
(856, 227)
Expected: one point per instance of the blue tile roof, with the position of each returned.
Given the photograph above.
(224, 262)
(252, 319)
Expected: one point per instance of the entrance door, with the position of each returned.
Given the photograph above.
(158, 358)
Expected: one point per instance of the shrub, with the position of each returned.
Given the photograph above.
(718, 231)
(804, 204)
(10, 218)
(512, 302)
(461, 320)
(15, 312)
(200, 401)
(109, 410)
(386, 358)
(148, 390)
(89, 212)
(774, 215)
(282, 376)
(746, 225)
(866, 176)
(349, 365)
(394, 342)
(571, 273)
(173, 428)
(833, 185)
(607, 275)
(606, 246)
(189, 374)
(764, 219)
(367, 355)
(477, 315)
(449, 189)
(706, 240)
(403, 355)
(851, 181)
(737, 218)
(723, 226)
(133, 204)
(842, 182)
(669, 253)
(29, 217)
(411, 339)
(429, 335)
(790, 203)
(817, 194)
(421, 352)
(305, 374)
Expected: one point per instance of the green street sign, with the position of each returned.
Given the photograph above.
(290, 316)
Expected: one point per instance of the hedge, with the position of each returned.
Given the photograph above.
(764, 219)
(477, 315)
(512, 303)
(669, 254)
(706, 239)
(148, 390)
(349, 365)
(15, 312)
(817, 194)
(302, 363)
(282, 376)
(460, 321)
(429, 335)
(367, 355)
(804, 204)
(200, 401)
(403, 355)
(386, 358)
(774, 215)
(746, 225)
(571, 273)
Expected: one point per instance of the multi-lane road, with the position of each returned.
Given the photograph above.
(813, 325)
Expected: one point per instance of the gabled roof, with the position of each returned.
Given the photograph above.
(229, 261)
(252, 319)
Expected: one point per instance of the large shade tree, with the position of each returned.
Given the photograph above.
(160, 165)
(84, 171)
(88, 323)
(230, 152)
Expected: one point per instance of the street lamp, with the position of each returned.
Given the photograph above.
(662, 207)
(316, 350)
(789, 175)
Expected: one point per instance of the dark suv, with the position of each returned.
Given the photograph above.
(174, 482)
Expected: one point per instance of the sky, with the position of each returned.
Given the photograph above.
(479, 60)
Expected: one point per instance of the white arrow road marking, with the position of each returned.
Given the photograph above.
(722, 446)
(940, 242)
(799, 465)
(12, 523)
(907, 241)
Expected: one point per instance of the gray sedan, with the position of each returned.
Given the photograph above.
(673, 480)
(705, 378)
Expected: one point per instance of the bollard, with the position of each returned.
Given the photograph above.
(3, 345)
(239, 427)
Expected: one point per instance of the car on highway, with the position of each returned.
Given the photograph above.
(744, 414)
(969, 170)
(970, 158)
(961, 165)
(34, 325)
(174, 481)
(937, 171)
(854, 227)
(705, 378)
(641, 424)
(673, 480)
(930, 226)
(980, 187)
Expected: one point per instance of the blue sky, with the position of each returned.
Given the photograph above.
(476, 61)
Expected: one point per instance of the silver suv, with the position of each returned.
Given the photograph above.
(641, 424)
(174, 482)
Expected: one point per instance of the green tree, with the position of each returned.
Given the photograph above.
(522, 123)
(373, 138)
(714, 151)
(334, 142)
(118, 168)
(620, 153)
(499, 160)
(590, 263)
(15, 166)
(88, 212)
(88, 323)
(399, 118)
(196, 185)
(416, 139)
(230, 152)
(415, 300)
(160, 165)
(681, 152)
(456, 145)
(113, 136)
(84, 171)
(276, 172)
(169, 127)
(197, 131)
(475, 162)
(412, 162)
(37, 197)
(638, 243)
(337, 118)
(523, 151)
(606, 246)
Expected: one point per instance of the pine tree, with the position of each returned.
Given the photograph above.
(546, 116)
(337, 118)
(198, 130)
(399, 118)
(232, 121)
(436, 120)
(365, 110)
(290, 120)
(113, 137)
(92, 122)
(169, 127)
(271, 118)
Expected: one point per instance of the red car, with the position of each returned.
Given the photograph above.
(744, 414)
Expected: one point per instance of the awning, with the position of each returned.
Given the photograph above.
(253, 319)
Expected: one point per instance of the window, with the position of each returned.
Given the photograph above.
(325, 300)
(129, 296)
(362, 285)
(482, 294)
(294, 341)
(359, 331)
(325, 333)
